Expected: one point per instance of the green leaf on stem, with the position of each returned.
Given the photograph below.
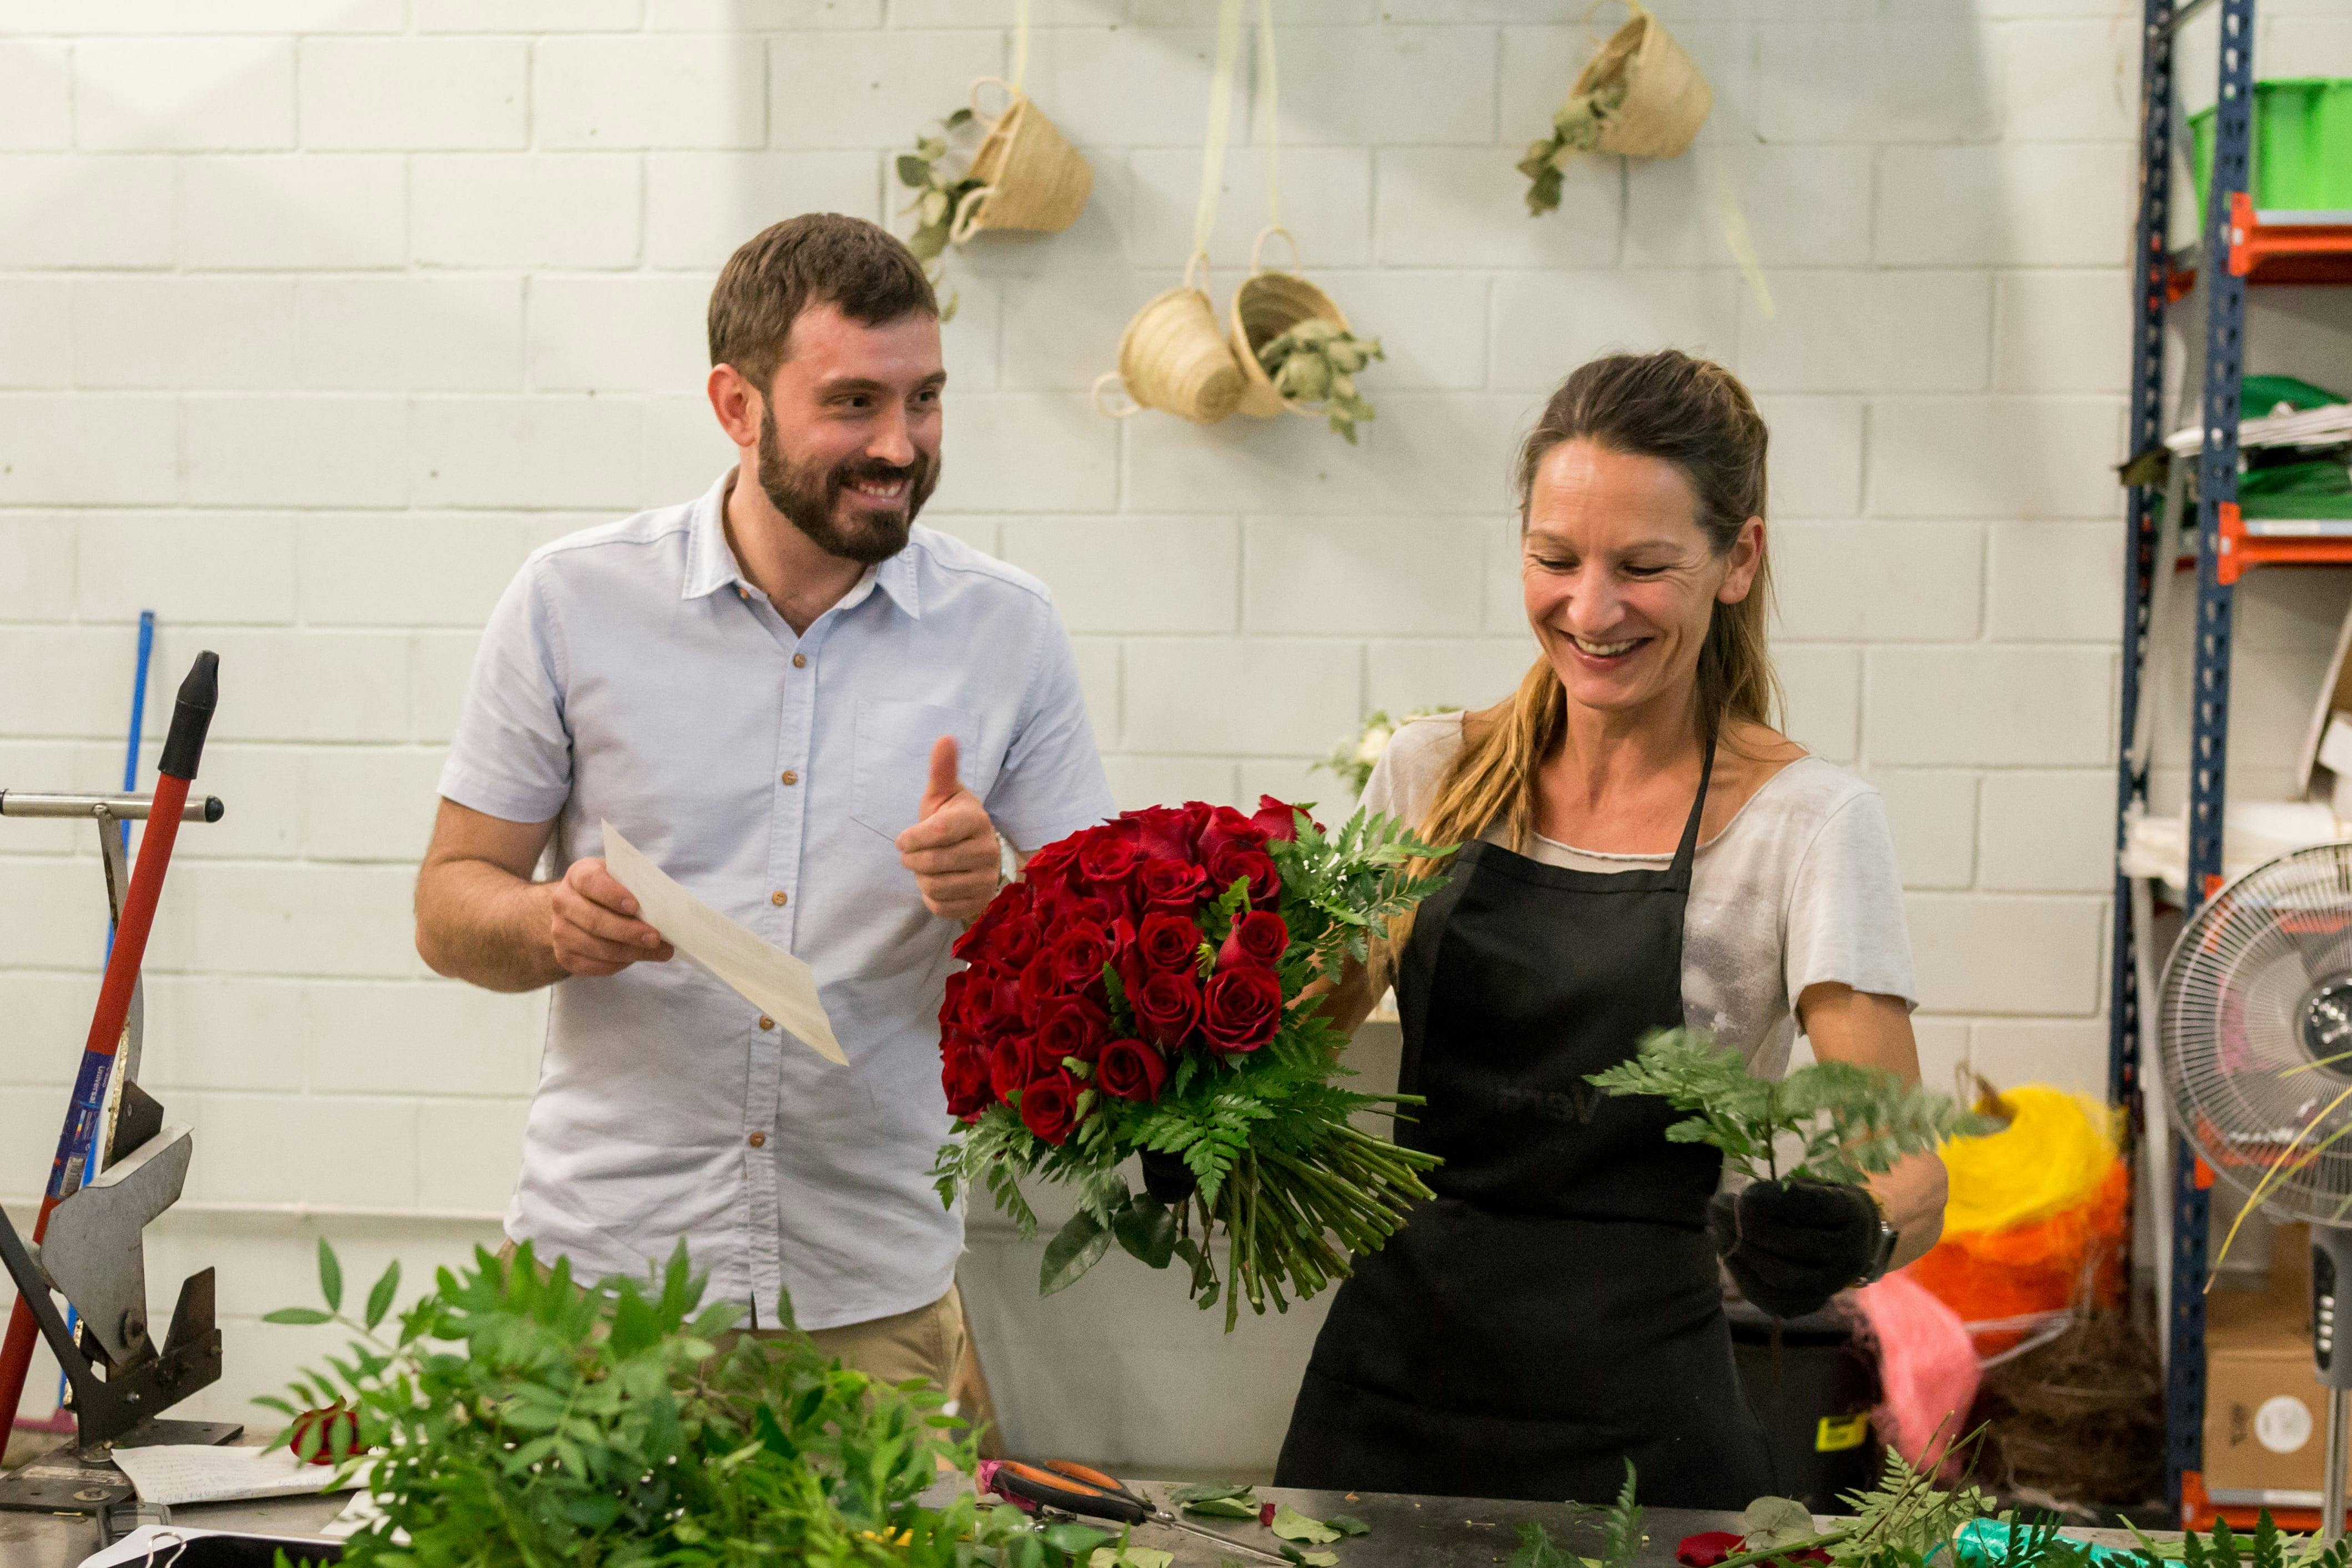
(1077, 1248)
(1147, 1228)
(330, 1277)
(297, 1316)
(380, 1298)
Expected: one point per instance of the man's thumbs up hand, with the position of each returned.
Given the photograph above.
(952, 849)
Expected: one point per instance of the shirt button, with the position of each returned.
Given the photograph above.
(758, 1140)
(743, 595)
(791, 777)
(799, 661)
(767, 1022)
(776, 898)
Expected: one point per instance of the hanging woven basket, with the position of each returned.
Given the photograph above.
(1269, 303)
(1174, 358)
(1666, 99)
(1031, 177)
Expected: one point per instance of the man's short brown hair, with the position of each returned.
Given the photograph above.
(817, 259)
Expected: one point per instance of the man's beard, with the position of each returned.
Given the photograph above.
(810, 499)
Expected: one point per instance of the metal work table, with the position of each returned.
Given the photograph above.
(1445, 1532)
(1436, 1532)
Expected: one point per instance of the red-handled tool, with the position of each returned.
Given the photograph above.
(1089, 1493)
(182, 748)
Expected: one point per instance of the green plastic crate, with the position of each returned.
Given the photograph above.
(2302, 145)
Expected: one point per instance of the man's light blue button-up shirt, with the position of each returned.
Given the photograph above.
(631, 675)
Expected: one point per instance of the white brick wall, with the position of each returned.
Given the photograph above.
(316, 315)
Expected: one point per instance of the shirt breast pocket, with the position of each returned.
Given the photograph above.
(893, 760)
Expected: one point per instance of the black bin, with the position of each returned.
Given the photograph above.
(1813, 1399)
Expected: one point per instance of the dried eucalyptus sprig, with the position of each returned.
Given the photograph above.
(1850, 1121)
(1316, 361)
(1576, 127)
(939, 197)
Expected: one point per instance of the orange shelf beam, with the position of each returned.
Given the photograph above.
(2266, 253)
(2241, 553)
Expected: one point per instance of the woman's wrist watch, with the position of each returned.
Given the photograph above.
(1882, 1251)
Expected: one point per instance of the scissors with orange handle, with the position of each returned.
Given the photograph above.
(1088, 1493)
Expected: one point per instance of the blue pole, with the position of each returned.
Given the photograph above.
(130, 783)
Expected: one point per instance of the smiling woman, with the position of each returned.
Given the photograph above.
(1641, 849)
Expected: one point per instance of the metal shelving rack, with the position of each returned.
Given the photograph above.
(2238, 246)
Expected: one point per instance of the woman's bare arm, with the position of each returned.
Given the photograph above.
(1872, 1030)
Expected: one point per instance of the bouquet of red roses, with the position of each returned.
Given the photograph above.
(1144, 991)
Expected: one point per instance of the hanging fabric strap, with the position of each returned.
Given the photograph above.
(1212, 147)
(1269, 117)
(1020, 45)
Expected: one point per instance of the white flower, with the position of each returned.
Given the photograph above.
(1375, 741)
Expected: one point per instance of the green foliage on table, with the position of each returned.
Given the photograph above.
(1850, 1121)
(509, 1418)
(1576, 127)
(1620, 1534)
(939, 197)
(1316, 361)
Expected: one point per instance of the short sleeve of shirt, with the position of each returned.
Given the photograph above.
(511, 755)
(1052, 783)
(1845, 921)
(1405, 778)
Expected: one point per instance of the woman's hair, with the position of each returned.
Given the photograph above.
(1690, 413)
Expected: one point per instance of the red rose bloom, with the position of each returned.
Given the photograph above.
(1072, 1026)
(1255, 867)
(1276, 820)
(1175, 886)
(1167, 1005)
(1109, 854)
(966, 1078)
(1226, 828)
(1169, 941)
(1041, 983)
(1258, 937)
(1052, 864)
(1004, 934)
(1166, 832)
(1049, 1106)
(1131, 1070)
(1242, 1009)
(1009, 1065)
(1708, 1548)
(1079, 954)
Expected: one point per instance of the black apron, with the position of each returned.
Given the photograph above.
(1556, 1308)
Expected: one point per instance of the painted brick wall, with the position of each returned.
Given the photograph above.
(316, 315)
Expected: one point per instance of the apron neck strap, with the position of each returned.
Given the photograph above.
(1687, 851)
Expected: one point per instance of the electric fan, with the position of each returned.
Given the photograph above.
(2255, 1021)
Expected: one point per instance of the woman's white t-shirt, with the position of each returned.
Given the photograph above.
(1798, 889)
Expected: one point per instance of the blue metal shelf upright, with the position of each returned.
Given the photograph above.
(2237, 246)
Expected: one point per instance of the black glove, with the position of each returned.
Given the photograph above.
(1792, 1245)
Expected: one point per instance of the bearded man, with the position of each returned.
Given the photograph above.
(829, 723)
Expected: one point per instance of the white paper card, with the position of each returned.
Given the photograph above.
(762, 973)
(200, 1472)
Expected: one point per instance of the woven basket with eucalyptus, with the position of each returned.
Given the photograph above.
(1640, 96)
(1030, 176)
(1269, 303)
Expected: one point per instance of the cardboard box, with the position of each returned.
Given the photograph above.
(2265, 1412)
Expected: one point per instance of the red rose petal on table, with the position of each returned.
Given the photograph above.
(1708, 1548)
(1266, 1515)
